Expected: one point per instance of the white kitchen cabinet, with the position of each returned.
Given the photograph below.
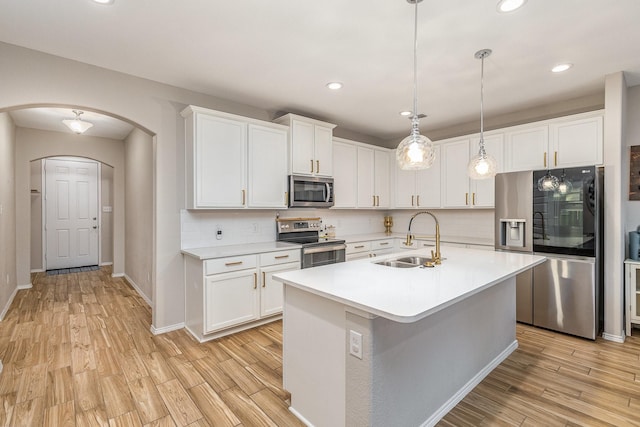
(234, 162)
(459, 190)
(227, 295)
(569, 141)
(369, 248)
(373, 178)
(576, 141)
(310, 145)
(419, 189)
(345, 174)
(632, 282)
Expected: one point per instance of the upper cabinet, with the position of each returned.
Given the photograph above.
(233, 161)
(345, 174)
(373, 178)
(575, 140)
(310, 145)
(419, 189)
(459, 191)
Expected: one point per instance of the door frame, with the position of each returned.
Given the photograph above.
(44, 203)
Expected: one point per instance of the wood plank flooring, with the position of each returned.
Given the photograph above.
(77, 351)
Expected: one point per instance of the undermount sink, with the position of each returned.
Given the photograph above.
(407, 262)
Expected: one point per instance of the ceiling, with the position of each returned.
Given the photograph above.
(278, 55)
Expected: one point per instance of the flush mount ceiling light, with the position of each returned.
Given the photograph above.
(334, 85)
(506, 6)
(405, 113)
(104, 1)
(548, 182)
(415, 151)
(77, 125)
(483, 165)
(561, 67)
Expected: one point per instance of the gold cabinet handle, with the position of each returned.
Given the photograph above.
(418, 200)
(466, 198)
(282, 256)
(545, 159)
(374, 200)
(255, 280)
(243, 197)
(264, 279)
(412, 196)
(384, 243)
(286, 198)
(555, 158)
(311, 165)
(377, 200)
(230, 264)
(317, 166)
(359, 247)
(473, 199)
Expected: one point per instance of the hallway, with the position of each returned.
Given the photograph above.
(77, 350)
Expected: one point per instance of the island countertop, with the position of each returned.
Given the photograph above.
(409, 294)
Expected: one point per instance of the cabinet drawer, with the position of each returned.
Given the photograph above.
(354, 248)
(382, 244)
(280, 257)
(224, 265)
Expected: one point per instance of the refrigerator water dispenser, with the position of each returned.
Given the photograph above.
(512, 232)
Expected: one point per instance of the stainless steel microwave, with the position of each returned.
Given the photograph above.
(310, 191)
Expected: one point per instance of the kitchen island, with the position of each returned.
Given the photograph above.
(370, 345)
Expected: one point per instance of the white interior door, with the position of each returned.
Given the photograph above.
(71, 219)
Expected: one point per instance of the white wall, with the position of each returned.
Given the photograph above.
(8, 282)
(139, 211)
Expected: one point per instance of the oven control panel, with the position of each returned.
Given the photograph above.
(288, 225)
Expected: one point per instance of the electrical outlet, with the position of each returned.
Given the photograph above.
(218, 232)
(355, 344)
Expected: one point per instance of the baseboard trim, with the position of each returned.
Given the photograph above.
(102, 264)
(456, 398)
(614, 338)
(165, 329)
(299, 416)
(27, 286)
(38, 270)
(117, 275)
(9, 302)
(138, 290)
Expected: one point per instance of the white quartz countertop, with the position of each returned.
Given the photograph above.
(236, 250)
(443, 239)
(410, 294)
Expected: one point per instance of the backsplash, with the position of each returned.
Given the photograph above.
(199, 228)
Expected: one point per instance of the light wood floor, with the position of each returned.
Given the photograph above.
(77, 350)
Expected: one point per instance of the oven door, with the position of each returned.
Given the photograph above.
(323, 254)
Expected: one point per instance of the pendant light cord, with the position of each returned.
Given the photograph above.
(415, 61)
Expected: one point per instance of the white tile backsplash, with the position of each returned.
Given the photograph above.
(198, 228)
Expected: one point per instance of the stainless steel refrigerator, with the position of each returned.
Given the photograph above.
(557, 213)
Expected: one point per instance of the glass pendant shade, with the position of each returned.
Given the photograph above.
(77, 125)
(564, 185)
(548, 182)
(415, 151)
(482, 166)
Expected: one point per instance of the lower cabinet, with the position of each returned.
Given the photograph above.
(227, 295)
(369, 249)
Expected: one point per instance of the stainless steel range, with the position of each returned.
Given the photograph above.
(316, 251)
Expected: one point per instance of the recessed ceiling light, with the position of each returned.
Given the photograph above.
(506, 6)
(561, 67)
(104, 1)
(334, 85)
(405, 113)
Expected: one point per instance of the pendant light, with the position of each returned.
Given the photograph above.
(77, 125)
(483, 165)
(415, 151)
(548, 182)
(564, 185)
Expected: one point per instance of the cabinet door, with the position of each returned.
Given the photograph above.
(267, 178)
(381, 186)
(428, 183)
(483, 190)
(271, 298)
(576, 142)
(231, 299)
(302, 156)
(405, 188)
(455, 156)
(323, 144)
(365, 177)
(220, 162)
(345, 175)
(526, 149)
